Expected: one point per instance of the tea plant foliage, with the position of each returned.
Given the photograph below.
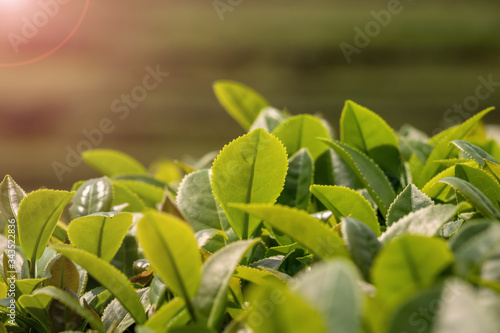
(287, 229)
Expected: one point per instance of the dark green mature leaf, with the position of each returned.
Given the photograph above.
(109, 277)
(474, 152)
(299, 225)
(409, 200)
(368, 132)
(425, 221)
(210, 302)
(95, 195)
(11, 195)
(362, 244)
(372, 177)
(73, 304)
(474, 196)
(169, 244)
(100, 234)
(298, 180)
(37, 306)
(284, 311)
(332, 288)
(38, 215)
(423, 172)
(198, 204)
(407, 265)
(330, 169)
(113, 163)
(268, 119)
(241, 102)
(344, 202)
(482, 181)
(251, 169)
(302, 131)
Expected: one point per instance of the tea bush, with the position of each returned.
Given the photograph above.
(287, 230)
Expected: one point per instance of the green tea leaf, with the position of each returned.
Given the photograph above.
(492, 169)
(150, 194)
(268, 119)
(241, 102)
(330, 169)
(363, 129)
(474, 196)
(165, 315)
(302, 131)
(38, 215)
(37, 306)
(407, 265)
(116, 316)
(100, 234)
(170, 246)
(362, 243)
(298, 180)
(344, 202)
(11, 196)
(482, 181)
(95, 195)
(112, 163)
(73, 304)
(109, 277)
(425, 221)
(423, 172)
(198, 204)
(256, 276)
(284, 311)
(251, 169)
(123, 196)
(64, 275)
(210, 302)
(474, 152)
(409, 200)
(299, 225)
(368, 172)
(332, 288)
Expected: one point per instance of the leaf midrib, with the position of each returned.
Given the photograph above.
(246, 220)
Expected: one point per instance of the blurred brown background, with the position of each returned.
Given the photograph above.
(428, 58)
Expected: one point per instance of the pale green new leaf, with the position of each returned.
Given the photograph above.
(305, 229)
(109, 277)
(474, 196)
(165, 315)
(38, 215)
(409, 200)
(73, 304)
(170, 246)
(113, 163)
(425, 221)
(100, 234)
(95, 195)
(302, 131)
(368, 132)
(37, 306)
(251, 169)
(285, 312)
(241, 102)
(372, 177)
(210, 302)
(344, 202)
(474, 152)
(11, 195)
(298, 180)
(443, 150)
(332, 288)
(407, 265)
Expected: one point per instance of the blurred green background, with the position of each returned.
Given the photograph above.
(427, 59)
